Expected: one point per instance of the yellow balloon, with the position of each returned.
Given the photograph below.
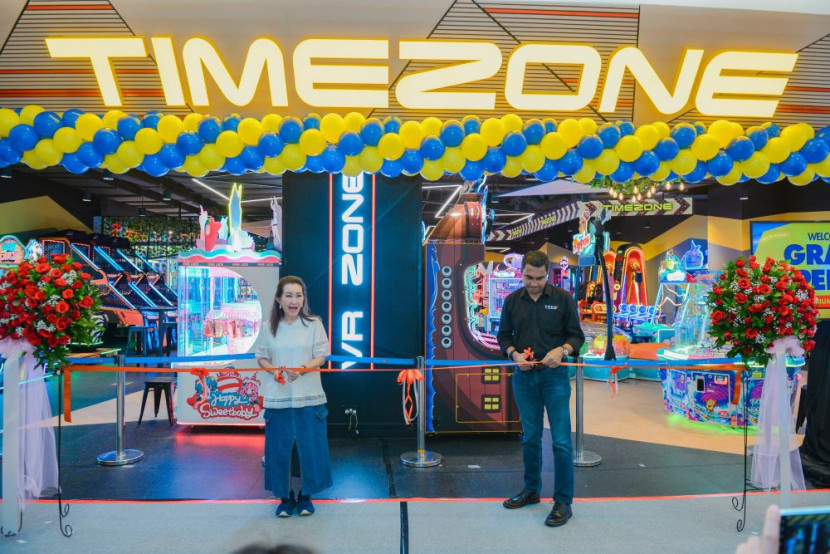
(111, 119)
(662, 128)
(432, 170)
(808, 130)
(571, 131)
(453, 160)
(737, 129)
(292, 157)
(662, 172)
(8, 119)
(492, 131)
(354, 121)
(756, 165)
(822, 168)
(391, 146)
(589, 127)
(648, 135)
(371, 161)
(249, 131)
(587, 173)
(271, 124)
(474, 147)
(273, 165)
(684, 163)
(533, 159)
(148, 141)
(795, 136)
(607, 162)
(513, 167)
(411, 133)
(733, 176)
(332, 126)
(312, 142)
(28, 113)
(804, 179)
(31, 159)
(629, 148)
(114, 164)
(229, 144)
(169, 128)
(723, 131)
(193, 166)
(352, 166)
(705, 147)
(47, 153)
(191, 121)
(512, 122)
(129, 154)
(66, 140)
(553, 145)
(432, 126)
(777, 150)
(211, 158)
(87, 125)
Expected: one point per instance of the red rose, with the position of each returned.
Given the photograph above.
(718, 316)
(718, 302)
(740, 262)
(76, 314)
(64, 340)
(717, 290)
(809, 345)
(53, 342)
(764, 289)
(66, 268)
(85, 276)
(76, 266)
(68, 293)
(76, 285)
(740, 298)
(747, 350)
(722, 277)
(40, 296)
(42, 268)
(46, 279)
(62, 307)
(727, 336)
(781, 286)
(744, 284)
(51, 318)
(55, 273)
(59, 258)
(86, 302)
(35, 341)
(60, 324)
(60, 282)
(752, 258)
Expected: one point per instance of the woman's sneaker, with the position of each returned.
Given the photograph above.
(287, 505)
(304, 505)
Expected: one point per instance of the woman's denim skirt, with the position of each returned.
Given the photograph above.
(305, 428)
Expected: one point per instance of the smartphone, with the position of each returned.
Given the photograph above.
(805, 530)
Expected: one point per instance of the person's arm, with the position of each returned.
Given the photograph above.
(321, 347)
(505, 334)
(574, 337)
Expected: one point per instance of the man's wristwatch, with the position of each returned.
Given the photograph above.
(567, 349)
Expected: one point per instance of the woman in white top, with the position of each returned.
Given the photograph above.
(295, 412)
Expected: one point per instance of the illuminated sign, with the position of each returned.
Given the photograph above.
(351, 278)
(584, 244)
(733, 83)
(644, 207)
(11, 251)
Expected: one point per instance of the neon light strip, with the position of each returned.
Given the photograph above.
(211, 189)
(444, 207)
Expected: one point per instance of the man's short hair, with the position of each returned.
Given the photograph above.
(536, 258)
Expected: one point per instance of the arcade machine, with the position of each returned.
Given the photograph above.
(631, 287)
(226, 290)
(458, 288)
(501, 281)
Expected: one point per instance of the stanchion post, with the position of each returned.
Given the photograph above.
(11, 510)
(582, 457)
(120, 456)
(421, 457)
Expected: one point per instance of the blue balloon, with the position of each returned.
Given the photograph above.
(741, 149)
(128, 126)
(550, 126)
(230, 123)
(152, 165)
(472, 171)
(46, 123)
(90, 157)
(666, 149)
(235, 165)
(647, 163)
(471, 125)
(392, 125)
(795, 164)
(697, 174)
(311, 122)
(189, 143)
(452, 134)
(609, 134)
(570, 163)
(333, 159)
(106, 141)
(815, 150)
(773, 130)
(684, 135)
(171, 156)
(514, 144)
(350, 143)
(494, 160)
(590, 147)
(549, 171)
(743, 179)
(411, 162)
(391, 168)
(73, 164)
(23, 137)
(720, 165)
(150, 121)
(432, 148)
(371, 132)
(759, 138)
(270, 145)
(824, 134)
(290, 130)
(70, 117)
(8, 153)
(672, 176)
(252, 158)
(534, 131)
(626, 128)
(314, 164)
(771, 176)
(209, 129)
(624, 172)
(700, 128)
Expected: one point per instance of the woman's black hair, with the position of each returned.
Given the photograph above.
(277, 312)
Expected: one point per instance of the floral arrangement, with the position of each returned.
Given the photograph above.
(48, 302)
(755, 304)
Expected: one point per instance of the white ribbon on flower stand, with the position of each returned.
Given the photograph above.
(775, 457)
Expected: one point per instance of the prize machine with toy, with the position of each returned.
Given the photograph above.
(226, 291)
(631, 288)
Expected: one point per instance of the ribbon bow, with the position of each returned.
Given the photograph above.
(407, 379)
(789, 345)
(199, 372)
(279, 377)
(613, 379)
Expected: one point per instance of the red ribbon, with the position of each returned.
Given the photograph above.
(407, 378)
(613, 379)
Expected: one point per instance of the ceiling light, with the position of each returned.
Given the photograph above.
(648, 224)
(744, 194)
(87, 197)
(211, 189)
(167, 197)
(6, 173)
(108, 175)
(142, 212)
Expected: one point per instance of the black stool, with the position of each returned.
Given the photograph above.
(802, 409)
(162, 383)
(141, 335)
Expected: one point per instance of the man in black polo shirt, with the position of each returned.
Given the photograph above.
(542, 320)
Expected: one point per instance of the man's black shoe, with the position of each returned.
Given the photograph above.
(559, 515)
(524, 498)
